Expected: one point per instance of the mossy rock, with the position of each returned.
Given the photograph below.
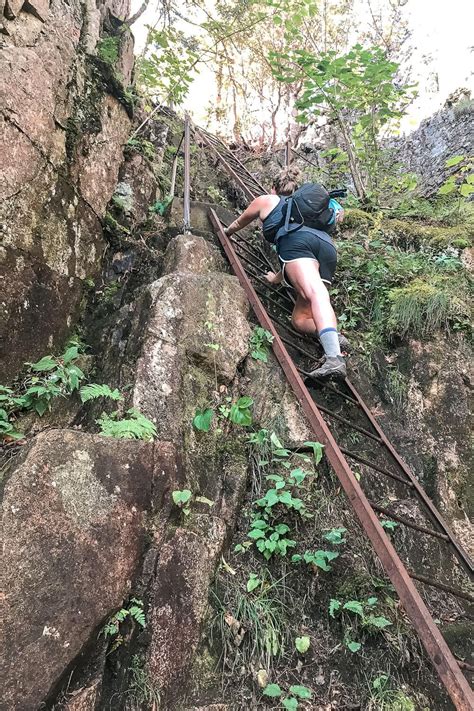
(354, 217)
(414, 233)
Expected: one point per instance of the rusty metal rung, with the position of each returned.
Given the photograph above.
(406, 522)
(371, 465)
(347, 422)
(441, 586)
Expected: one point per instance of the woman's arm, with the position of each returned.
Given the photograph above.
(248, 216)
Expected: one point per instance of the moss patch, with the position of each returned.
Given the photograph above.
(407, 232)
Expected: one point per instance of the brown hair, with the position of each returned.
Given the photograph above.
(287, 181)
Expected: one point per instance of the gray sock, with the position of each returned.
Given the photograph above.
(330, 342)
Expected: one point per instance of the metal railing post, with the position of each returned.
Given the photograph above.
(187, 176)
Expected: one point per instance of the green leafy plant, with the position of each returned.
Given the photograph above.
(202, 419)
(336, 536)
(318, 559)
(182, 498)
(388, 525)
(260, 341)
(270, 540)
(133, 610)
(160, 207)
(317, 449)
(141, 145)
(108, 49)
(253, 582)
(141, 689)
(135, 426)
(240, 412)
(359, 91)
(302, 644)
(461, 182)
(363, 611)
(92, 391)
(295, 692)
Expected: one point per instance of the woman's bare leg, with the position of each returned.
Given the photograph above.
(313, 311)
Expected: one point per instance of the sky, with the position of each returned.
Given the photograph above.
(442, 31)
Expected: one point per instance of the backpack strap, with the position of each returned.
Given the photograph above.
(289, 206)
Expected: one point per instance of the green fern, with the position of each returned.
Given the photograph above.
(93, 391)
(136, 426)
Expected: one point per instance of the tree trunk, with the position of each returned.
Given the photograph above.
(138, 13)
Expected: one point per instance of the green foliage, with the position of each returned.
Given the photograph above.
(260, 340)
(363, 612)
(141, 690)
(384, 698)
(423, 307)
(361, 84)
(273, 691)
(336, 536)
(135, 426)
(141, 145)
(182, 498)
(49, 378)
(253, 582)
(317, 448)
(270, 540)
(318, 559)
(202, 419)
(384, 291)
(302, 644)
(165, 71)
(240, 412)
(216, 196)
(461, 182)
(388, 525)
(108, 49)
(92, 391)
(160, 207)
(133, 610)
(295, 692)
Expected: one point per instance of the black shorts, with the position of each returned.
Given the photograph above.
(310, 244)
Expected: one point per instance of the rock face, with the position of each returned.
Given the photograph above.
(434, 436)
(447, 133)
(61, 145)
(73, 527)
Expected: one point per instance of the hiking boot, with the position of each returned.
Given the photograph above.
(344, 344)
(332, 367)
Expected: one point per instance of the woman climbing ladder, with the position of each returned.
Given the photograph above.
(308, 261)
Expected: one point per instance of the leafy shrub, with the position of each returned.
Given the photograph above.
(108, 49)
(260, 340)
(135, 426)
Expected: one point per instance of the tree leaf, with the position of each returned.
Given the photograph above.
(253, 582)
(302, 644)
(302, 692)
(181, 496)
(202, 419)
(45, 364)
(273, 691)
(354, 606)
(455, 160)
